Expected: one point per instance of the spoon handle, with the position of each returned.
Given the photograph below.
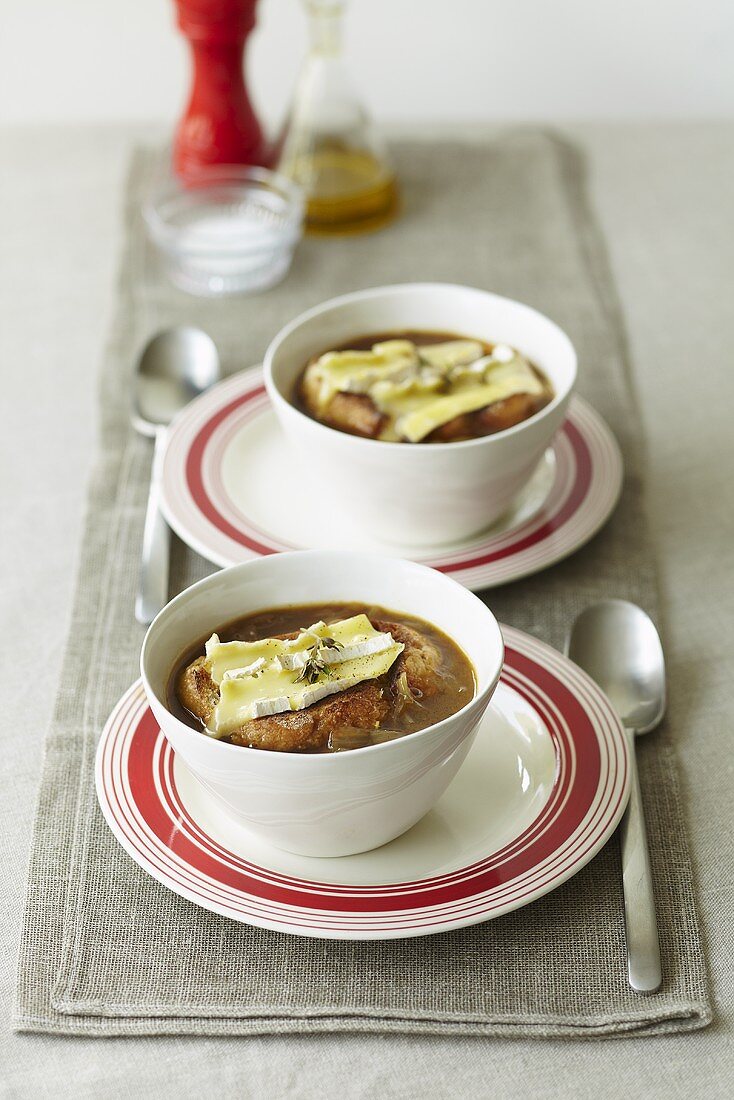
(643, 946)
(153, 590)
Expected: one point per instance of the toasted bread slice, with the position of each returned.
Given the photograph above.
(366, 706)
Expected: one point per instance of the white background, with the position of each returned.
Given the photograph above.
(432, 61)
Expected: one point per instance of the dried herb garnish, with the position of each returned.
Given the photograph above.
(313, 669)
(316, 666)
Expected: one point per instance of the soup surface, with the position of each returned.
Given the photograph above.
(421, 387)
(288, 684)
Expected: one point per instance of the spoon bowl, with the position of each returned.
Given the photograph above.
(618, 645)
(175, 366)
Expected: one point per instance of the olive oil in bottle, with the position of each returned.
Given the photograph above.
(329, 146)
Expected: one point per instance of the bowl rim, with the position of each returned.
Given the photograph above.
(276, 396)
(182, 597)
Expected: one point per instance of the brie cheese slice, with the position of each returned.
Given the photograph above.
(266, 677)
(356, 371)
(248, 670)
(451, 353)
(277, 690)
(416, 425)
(332, 655)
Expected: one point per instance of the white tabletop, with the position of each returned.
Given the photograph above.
(664, 197)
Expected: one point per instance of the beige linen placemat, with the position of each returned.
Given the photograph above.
(107, 951)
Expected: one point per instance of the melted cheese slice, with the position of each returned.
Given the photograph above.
(261, 678)
(469, 395)
(410, 390)
(276, 690)
(451, 353)
(228, 657)
(356, 371)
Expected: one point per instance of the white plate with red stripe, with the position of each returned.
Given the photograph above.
(542, 790)
(232, 490)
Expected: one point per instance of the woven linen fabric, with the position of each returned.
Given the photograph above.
(105, 950)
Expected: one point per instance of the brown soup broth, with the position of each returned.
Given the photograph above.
(455, 671)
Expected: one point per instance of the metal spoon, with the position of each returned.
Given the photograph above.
(617, 644)
(174, 367)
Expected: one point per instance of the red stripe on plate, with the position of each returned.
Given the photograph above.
(207, 507)
(571, 505)
(291, 892)
(179, 813)
(195, 478)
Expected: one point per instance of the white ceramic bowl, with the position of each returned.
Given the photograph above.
(421, 494)
(329, 804)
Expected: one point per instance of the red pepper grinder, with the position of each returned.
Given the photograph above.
(219, 125)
